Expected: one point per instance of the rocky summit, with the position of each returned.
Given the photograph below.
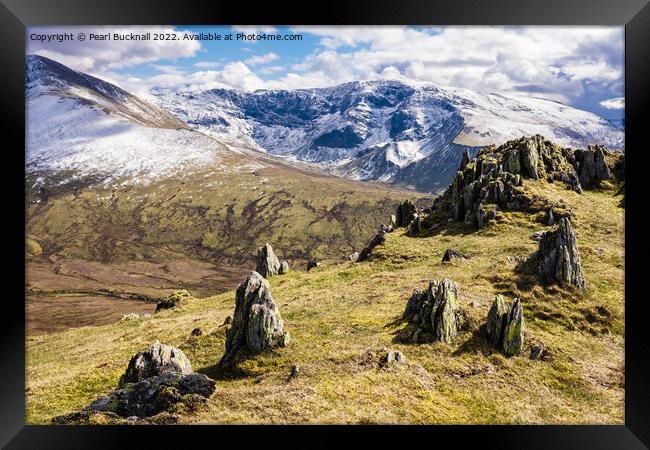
(257, 324)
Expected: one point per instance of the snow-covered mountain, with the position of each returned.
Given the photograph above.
(411, 133)
(85, 126)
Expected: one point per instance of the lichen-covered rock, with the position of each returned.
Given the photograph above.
(158, 359)
(436, 310)
(591, 166)
(452, 254)
(496, 321)
(257, 324)
(505, 326)
(267, 263)
(513, 333)
(379, 239)
(174, 300)
(284, 268)
(405, 213)
(155, 394)
(558, 258)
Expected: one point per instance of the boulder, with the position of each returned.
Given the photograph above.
(435, 310)
(452, 254)
(174, 300)
(257, 324)
(267, 263)
(197, 332)
(353, 256)
(158, 359)
(394, 356)
(379, 239)
(312, 264)
(557, 258)
(591, 166)
(505, 326)
(405, 213)
(284, 268)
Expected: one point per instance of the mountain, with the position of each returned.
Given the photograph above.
(405, 133)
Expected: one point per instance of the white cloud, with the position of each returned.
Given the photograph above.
(261, 59)
(613, 103)
(207, 64)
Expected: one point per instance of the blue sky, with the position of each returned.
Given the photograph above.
(579, 66)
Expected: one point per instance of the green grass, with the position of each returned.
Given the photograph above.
(339, 312)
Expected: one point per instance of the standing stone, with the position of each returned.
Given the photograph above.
(405, 213)
(530, 159)
(558, 258)
(267, 263)
(513, 334)
(257, 324)
(414, 305)
(159, 358)
(284, 268)
(496, 321)
(438, 312)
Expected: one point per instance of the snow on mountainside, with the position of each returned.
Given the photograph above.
(387, 130)
(79, 123)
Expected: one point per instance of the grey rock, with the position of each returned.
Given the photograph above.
(267, 263)
(394, 356)
(405, 214)
(197, 332)
(414, 304)
(591, 166)
(295, 372)
(312, 264)
(496, 321)
(158, 359)
(257, 324)
(558, 258)
(284, 268)
(505, 326)
(536, 351)
(436, 310)
(353, 256)
(452, 254)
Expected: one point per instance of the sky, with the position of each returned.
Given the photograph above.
(578, 66)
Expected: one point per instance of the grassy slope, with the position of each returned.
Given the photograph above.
(339, 312)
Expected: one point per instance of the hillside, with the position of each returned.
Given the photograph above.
(342, 315)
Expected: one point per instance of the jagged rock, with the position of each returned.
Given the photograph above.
(436, 310)
(284, 268)
(550, 220)
(267, 263)
(558, 258)
(257, 324)
(174, 300)
(591, 166)
(379, 239)
(505, 326)
(452, 254)
(155, 394)
(312, 264)
(405, 213)
(353, 256)
(159, 358)
(197, 332)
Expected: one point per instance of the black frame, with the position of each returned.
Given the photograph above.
(633, 14)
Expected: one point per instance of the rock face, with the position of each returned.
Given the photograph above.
(557, 258)
(505, 326)
(452, 254)
(267, 263)
(591, 166)
(379, 239)
(493, 180)
(158, 359)
(435, 310)
(257, 324)
(175, 299)
(405, 214)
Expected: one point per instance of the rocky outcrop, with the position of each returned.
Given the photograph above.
(379, 239)
(452, 254)
(435, 310)
(158, 359)
(174, 300)
(156, 381)
(405, 214)
(257, 324)
(557, 258)
(591, 166)
(505, 326)
(267, 263)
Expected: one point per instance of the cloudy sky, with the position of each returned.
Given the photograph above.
(579, 66)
